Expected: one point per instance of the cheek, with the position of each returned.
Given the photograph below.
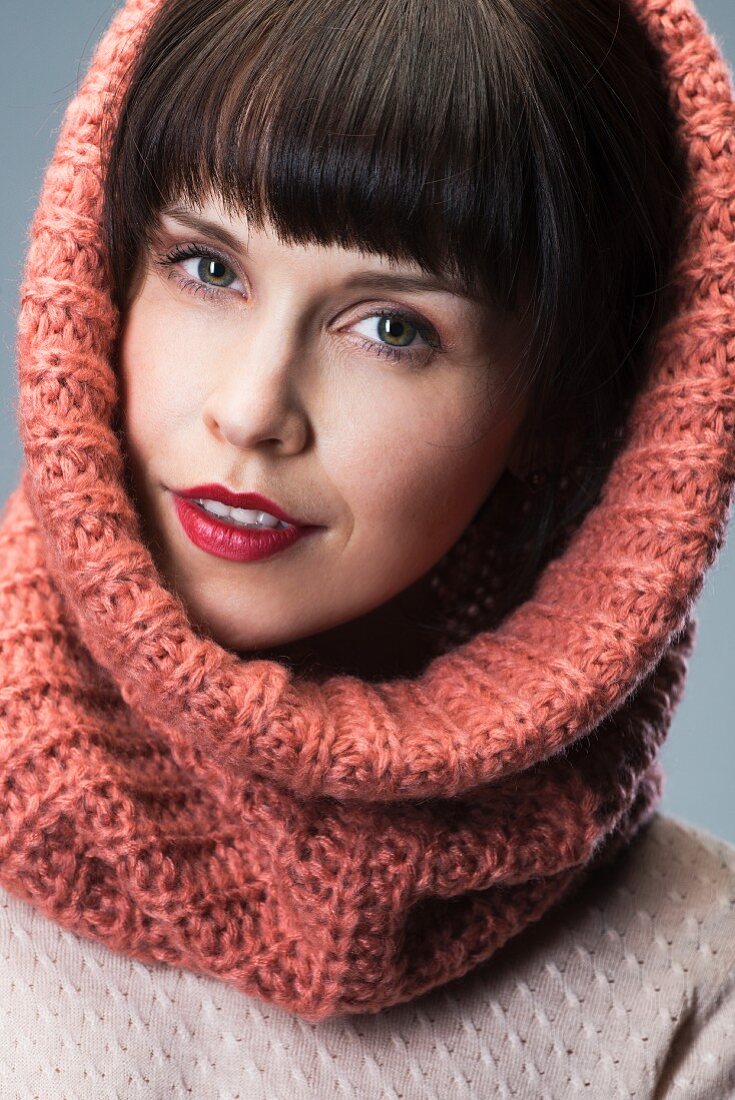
(422, 470)
(155, 384)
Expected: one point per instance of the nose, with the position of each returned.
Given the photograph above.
(257, 398)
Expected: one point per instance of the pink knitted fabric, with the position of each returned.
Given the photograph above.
(338, 846)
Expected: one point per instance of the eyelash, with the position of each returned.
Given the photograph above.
(188, 252)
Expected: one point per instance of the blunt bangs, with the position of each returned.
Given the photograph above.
(524, 148)
(340, 122)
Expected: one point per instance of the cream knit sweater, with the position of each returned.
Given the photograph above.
(627, 989)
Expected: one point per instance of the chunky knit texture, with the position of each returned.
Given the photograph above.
(336, 846)
(625, 992)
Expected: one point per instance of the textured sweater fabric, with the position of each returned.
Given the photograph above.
(626, 989)
(224, 878)
(332, 845)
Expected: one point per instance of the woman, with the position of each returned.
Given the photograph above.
(376, 395)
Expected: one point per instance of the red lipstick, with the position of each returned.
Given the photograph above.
(253, 501)
(225, 539)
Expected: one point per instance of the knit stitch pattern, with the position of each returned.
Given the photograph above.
(625, 992)
(338, 846)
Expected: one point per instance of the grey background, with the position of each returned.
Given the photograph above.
(47, 48)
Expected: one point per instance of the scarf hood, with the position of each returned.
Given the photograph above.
(339, 846)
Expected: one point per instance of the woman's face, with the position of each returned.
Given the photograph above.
(278, 370)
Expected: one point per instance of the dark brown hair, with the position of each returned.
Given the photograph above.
(527, 147)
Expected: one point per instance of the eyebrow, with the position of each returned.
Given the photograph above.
(220, 233)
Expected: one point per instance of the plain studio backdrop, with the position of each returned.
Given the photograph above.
(47, 49)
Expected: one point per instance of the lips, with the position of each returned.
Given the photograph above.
(253, 501)
(235, 543)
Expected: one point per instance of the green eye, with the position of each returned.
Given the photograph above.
(215, 272)
(397, 332)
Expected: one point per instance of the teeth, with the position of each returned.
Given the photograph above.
(245, 517)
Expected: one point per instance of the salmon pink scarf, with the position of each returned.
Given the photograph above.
(337, 846)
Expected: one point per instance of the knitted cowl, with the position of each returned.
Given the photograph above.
(334, 845)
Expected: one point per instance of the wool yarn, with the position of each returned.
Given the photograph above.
(334, 845)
